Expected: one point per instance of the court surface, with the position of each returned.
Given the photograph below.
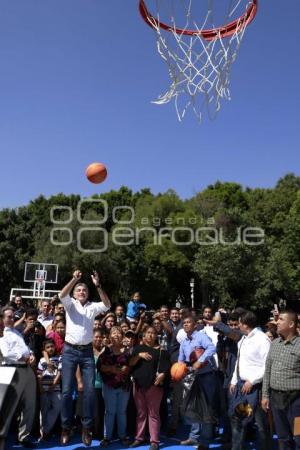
(166, 443)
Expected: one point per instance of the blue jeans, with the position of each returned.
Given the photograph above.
(202, 433)
(72, 358)
(115, 401)
(195, 432)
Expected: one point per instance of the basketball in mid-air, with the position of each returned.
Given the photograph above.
(178, 371)
(96, 172)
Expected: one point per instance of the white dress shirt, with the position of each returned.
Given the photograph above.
(253, 350)
(213, 335)
(80, 319)
(13, 347)
(45, 320)
(181, 336)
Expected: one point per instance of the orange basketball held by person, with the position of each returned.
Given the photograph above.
(96, 172)
(178, 371)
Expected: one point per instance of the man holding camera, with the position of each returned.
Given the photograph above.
(16, 354)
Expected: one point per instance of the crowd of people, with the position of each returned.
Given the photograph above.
(105, 369)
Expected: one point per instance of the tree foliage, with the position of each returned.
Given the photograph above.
(157, 243)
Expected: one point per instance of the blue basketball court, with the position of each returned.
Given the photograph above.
(166, 443)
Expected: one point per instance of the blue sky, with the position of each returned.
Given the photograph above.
(76, 82)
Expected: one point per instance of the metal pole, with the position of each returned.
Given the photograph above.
(192, 285)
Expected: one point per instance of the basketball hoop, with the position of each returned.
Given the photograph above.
(200, 52)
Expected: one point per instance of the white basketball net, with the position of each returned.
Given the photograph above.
(199, 69)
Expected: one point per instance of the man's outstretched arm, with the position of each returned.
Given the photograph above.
(102, 294)
(69, 286)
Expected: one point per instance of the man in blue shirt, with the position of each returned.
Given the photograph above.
(197, 340)
(197, 351)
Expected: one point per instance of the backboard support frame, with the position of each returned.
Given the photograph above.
(39, 275)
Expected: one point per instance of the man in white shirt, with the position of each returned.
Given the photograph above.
(246, 382)
(15, 353)
(209, 328)
(45, 318)
(78, 351)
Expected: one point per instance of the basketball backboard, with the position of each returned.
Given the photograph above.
(39, 274)
(45, 271)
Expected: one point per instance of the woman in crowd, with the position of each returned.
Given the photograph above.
(98, 348)
(113, 365)
(158, 326)
(124, 325)
(108, 322)
(57, 318)
(150, 365)
(98, 323)
(58, 335)
(162, 340)
(271, 330)
(129, 341)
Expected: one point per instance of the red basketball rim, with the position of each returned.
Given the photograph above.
(209, 35)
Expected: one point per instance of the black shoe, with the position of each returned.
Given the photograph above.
(87, 436)
(136, 443)
(125, 441)
(226, 446)
(171, 432)
(189, 442)
(65, 436)
(28, 442)
(45, 437)
(153, 446)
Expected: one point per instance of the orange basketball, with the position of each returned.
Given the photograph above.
(178, 371)
(96, 172)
